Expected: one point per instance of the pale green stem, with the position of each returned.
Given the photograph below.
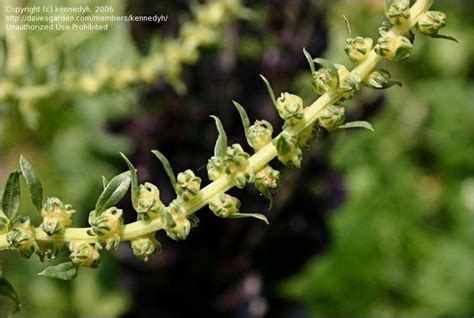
(257, 161)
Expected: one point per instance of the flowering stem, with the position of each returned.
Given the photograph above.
(256, 161)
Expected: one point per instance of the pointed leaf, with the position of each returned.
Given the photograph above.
(113, 192)
(268, 195)
(33, 182)
(64, 271)
(167, 167)
(270, 90)
(393, 83)
(244, 117)
(7, 290)
(104, 182)
(221, 142)
(11, 195)
(446, 37)
(250, 215)
(134, 177)
(389, 84)
(330, 66)
(348, 25)
(357, 124)
(310, 61)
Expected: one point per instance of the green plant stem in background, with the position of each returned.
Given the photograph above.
(256, 162)
(166, 60)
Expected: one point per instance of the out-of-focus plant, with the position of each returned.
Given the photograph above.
(32, 71)
(230, 166)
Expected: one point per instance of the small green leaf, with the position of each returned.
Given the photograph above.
(357, 124)
(134, 176)
(270, 90)
(113, 192)
(244, 117)
(269, 196)
(11, 195)
(64, 271)
(221, 142)
(167, 167)
(7, 290)
(393, 83)
(104, 182)
(446, 37)
(33, 182)
(249, 215)
(310, 61)
(389, 84)
(330, 66)
(348, 25)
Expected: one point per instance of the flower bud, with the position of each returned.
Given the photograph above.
(237, 165)
(187, 185)
(431, 22)
(290, 108)
(85, 254)
(288, 150)
(145, 246)
(348, 82)
(380, 79)
(331, 117)
(324, 80)
(215, 167)
(179, 226)
(267, 180)
(56, 216)
(48, 251)
(260, 134)
(22, 236)
(358, 48)
(149, 203)
(397, 48)
(397, 10)
(307, 136)
(224, 205)
(107, 226)
(385, 27)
